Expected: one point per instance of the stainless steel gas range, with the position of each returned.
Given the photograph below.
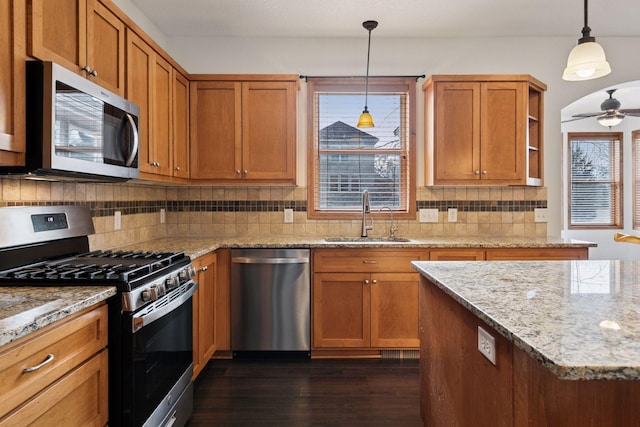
(150, 318)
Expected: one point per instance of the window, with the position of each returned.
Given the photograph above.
(595, 180)
(635, 138)
(345, 160)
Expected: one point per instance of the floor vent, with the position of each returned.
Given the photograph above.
(400, 354)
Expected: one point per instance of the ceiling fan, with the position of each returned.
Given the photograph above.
(611, 114)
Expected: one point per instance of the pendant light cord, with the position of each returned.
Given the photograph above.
(366, 82)
(586, 31)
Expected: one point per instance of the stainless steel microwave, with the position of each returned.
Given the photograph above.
(76, 129)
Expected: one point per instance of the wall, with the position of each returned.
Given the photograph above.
(258, 211)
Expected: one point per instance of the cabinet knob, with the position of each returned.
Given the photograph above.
(177, 168)
(477, 172)
(374, 281)
(86, 69)
(205, 268)
(94, 73)
(245, 171)
(366, 282)
(484, 172)
(238, 171)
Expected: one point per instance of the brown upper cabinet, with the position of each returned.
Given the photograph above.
(12, 82)
(82, 35)
(243, 128)
(483, 129)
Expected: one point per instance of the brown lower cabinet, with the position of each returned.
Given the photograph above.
(72, 390)
(204, 311)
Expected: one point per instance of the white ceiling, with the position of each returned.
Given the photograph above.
(397, 18)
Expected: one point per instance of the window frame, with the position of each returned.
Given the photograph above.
(635, 156)
(618, 222)
(357, 85)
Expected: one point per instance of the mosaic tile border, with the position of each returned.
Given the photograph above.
(107, 208)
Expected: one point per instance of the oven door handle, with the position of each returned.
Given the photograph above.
(152, 313)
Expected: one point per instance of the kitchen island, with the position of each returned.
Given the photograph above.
(566, 350)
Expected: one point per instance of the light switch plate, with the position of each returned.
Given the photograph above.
(288, 216)
(540, 214)
(117, 220)
(163, 216)
(452, 214)
(428, 215)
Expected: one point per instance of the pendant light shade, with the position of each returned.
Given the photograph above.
(587, 60)
(365, 120)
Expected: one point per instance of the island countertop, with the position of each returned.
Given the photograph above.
(580, 319)
(26, 309)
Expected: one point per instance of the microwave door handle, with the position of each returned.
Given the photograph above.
(136, 141)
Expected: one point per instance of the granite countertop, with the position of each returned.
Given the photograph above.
(580, 319)
(25, 309)
(198, 246)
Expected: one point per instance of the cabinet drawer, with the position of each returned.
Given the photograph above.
(78, 399)
(367, 261)
(71, 343)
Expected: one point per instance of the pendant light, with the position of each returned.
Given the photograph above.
(365, 120)
(587, 60)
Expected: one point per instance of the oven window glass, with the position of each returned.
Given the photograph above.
(88, 129)
(162, 353)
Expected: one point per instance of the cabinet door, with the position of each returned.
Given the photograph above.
(394, 310)
(341, 310)
(105, 47)
(204, 303)
(58, 30)
(269, 130)
(457, 132)
(160, 143)
(503, 132)
(180, 141)
(12, 82)
(140, 59)
(516, 254)
(216, 134)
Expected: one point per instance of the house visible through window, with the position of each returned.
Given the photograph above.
(595, 181)
(345, 160)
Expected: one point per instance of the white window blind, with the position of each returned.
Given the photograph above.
(346, 160)
(635, 138)
(595, 180)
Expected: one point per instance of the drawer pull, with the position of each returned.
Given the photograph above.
(370, 261)
(49, 359)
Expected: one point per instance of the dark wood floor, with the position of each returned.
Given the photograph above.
(308, 393)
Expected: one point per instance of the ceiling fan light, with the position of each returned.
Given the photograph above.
(586, 61)
(611, 120)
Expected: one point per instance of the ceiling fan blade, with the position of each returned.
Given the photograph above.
(630, 111)
(576, 118)
(585, 115)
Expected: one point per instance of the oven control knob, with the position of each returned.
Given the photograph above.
(170, 282)
(146, 295)
(161, 290)
(154, 292)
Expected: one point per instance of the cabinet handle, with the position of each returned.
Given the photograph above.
(477, 172)
(49, 359)
(370, 261)
(484, 172)
(374, 281)
(366, 282)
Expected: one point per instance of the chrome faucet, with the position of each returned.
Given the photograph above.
(393, 228)
(365, 210)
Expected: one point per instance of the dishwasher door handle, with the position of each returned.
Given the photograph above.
(251, 260)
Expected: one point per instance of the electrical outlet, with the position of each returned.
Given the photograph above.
(163, 216)
(487, 345)
(540, 215)
(452, 214)
(428, 215)
(288, 216)
(117, 220)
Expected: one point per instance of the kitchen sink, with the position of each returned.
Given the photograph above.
(366, 239)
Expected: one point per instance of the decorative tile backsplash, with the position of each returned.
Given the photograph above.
(258, 211)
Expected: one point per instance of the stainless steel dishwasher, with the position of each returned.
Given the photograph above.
(270, 302)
